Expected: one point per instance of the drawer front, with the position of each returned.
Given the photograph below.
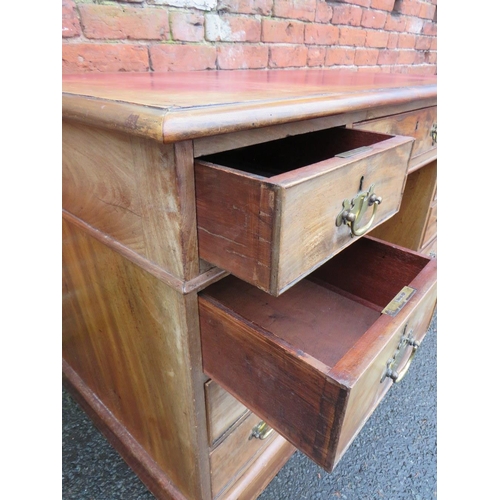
(230, 459)
(270, 224)
(223, 411)
(418, 124)
(431, 228)
(373, 384)
(299, 360)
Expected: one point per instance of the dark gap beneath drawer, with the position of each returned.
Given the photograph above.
(283, 155)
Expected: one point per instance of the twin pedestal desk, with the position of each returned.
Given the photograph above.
(248, 262)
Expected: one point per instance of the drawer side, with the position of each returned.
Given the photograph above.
(283, 387)
(235, 222)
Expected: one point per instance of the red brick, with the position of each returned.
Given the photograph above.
(392, 41)
(431, 57)
(407, 7)
(429, 28)
(422, 70)
(242, 56)
(382, 5)
(365, 57)
(262, 7)
(188, 4)
(232, 28)
(414, 25)
(338, 56)
(187, 26)
(321, 34)
(395, 23)
(279, 30)
(427, 11)
(434, 44)
(70, 22)
(113, 22)
(287, 56)
(108, 57)
(324, 12)
(363, 3)
(423, 42)
(176, 57)
(406, 56)
(295, 9)
(349, 15)
(316, 56)
(373, 19)
(419, 58)
(406, 41)
(376, 39)
(352, 36)
(387, 57)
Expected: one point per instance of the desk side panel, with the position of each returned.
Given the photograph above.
(134, 342)
(137, 191)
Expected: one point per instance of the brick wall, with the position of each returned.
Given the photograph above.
(179, 35)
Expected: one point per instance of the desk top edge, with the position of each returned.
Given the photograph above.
(176, 106)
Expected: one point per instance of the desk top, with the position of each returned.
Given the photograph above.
(184, 105)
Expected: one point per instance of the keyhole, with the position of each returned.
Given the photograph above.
(416, 125)
(361, 183)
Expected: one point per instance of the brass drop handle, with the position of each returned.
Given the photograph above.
(398, 374)
(434, 134)
(354, 210)
(261, 431)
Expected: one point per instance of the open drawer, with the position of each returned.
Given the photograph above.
(273, 212)
(315, 362)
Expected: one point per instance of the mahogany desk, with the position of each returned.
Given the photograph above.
(222, 305)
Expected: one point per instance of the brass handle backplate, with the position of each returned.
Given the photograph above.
(393, 371)
(261, 431)
(434, 134)
(353, 211)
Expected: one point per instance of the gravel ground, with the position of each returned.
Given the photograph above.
(394, 456)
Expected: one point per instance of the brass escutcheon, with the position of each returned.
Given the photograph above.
(353, 211)
(261, 431)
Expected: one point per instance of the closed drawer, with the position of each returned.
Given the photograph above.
(430, 249)
(418, 124)
(431, 227)
(272, 213)
(232, 457)
(314, 362)
(223, 411)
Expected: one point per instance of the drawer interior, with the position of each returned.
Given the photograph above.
(326, 313)
(284, 155)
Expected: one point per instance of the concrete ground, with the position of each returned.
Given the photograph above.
(394, 456)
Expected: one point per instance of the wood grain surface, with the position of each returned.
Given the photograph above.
(137, 191)
(407, 227)
(134, 342)
(416, 124)
(178, 106)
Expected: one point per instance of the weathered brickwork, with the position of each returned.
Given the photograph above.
(391, 36)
